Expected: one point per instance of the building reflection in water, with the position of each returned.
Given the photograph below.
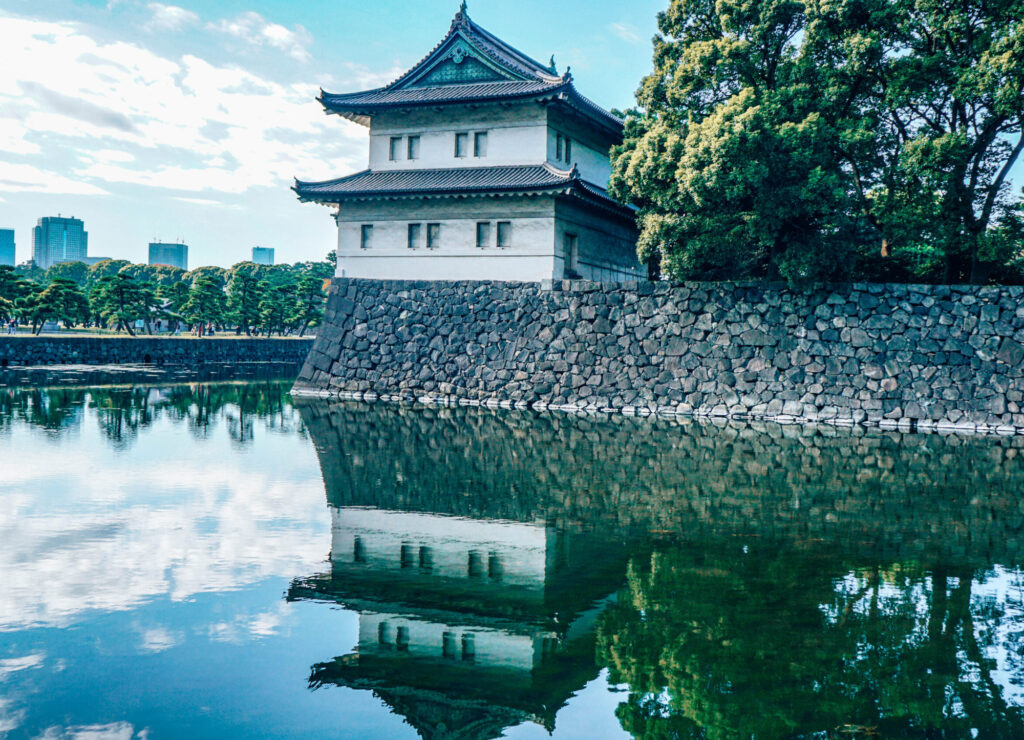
(737, 581)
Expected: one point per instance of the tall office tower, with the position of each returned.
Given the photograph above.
(263, 255)
(56, 239)
(174, 255)
(7, 247)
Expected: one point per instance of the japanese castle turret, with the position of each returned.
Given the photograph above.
(484, 165)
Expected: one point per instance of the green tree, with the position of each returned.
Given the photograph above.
(13, 285)
(7, 309)
(119, 301)
(812, 140)
(77, 272)
(206, 302)
(935, 125)
(31, 271)
(218, 274)
(62, 300)
(309, 303)
(245, 293)
(102, 269)
(276, 308)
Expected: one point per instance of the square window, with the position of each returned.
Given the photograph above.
(433, 236)
(414, 147)
(480, 144)
(395, 148)
(365, 236)
(483, 234)
(461, 145)
(504, 233)
(414, 235)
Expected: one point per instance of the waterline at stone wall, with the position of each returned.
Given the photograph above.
(914, 356)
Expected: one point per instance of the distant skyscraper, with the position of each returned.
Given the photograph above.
(56, 239)
(7, 247)
(175, 255)
(263, 255)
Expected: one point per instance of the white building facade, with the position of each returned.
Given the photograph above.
(484, 165)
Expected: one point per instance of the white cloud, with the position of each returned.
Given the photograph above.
(170, 17)
(254, 29)
(109, 155)
(200, 201)
(626, 32)
(10, 718)
(158, 639)
(24, 663)
(136, 118)
(112, 731)
(21, 178)
(218, 524)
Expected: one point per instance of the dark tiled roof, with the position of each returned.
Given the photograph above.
(388, 98)
(526, 79)
(507, 56)
(458, 181)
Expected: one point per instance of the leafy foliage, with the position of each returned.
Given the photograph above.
(62, 300)
(248, 297)
(819, 140)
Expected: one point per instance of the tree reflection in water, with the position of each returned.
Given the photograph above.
(123, 411)
(721, 640)
(779, 582)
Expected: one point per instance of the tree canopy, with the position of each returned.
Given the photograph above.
(803, 140)
(117, 294)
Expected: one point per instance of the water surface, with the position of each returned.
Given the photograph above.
(216, 560)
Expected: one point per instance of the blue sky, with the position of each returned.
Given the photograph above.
(187, 120)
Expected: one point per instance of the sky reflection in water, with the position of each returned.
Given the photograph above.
(213, 561)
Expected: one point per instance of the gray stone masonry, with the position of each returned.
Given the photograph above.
(50, 349)
(907, 356)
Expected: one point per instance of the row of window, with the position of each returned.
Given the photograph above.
(433, 232)
(450, 643)
(411, 145)
(423, 556)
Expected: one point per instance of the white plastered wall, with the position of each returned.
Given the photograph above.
(529, 258)
(516, 135)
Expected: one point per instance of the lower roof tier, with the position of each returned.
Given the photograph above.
(515, 179)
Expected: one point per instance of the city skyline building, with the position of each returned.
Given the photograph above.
(56, 239)
(7, 247)
(263, 255)
(170, 254)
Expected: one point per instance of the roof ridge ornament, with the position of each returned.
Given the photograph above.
(462, 16)
(552, 66)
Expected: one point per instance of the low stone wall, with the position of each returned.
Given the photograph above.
(23, 350)
(901, 355)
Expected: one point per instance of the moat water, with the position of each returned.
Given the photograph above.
(212, 561)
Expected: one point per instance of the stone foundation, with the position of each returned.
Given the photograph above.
(913, 356)
(48, 349)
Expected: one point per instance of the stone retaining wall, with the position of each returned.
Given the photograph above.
(895, 355)
(23, 350)
(930, 497)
